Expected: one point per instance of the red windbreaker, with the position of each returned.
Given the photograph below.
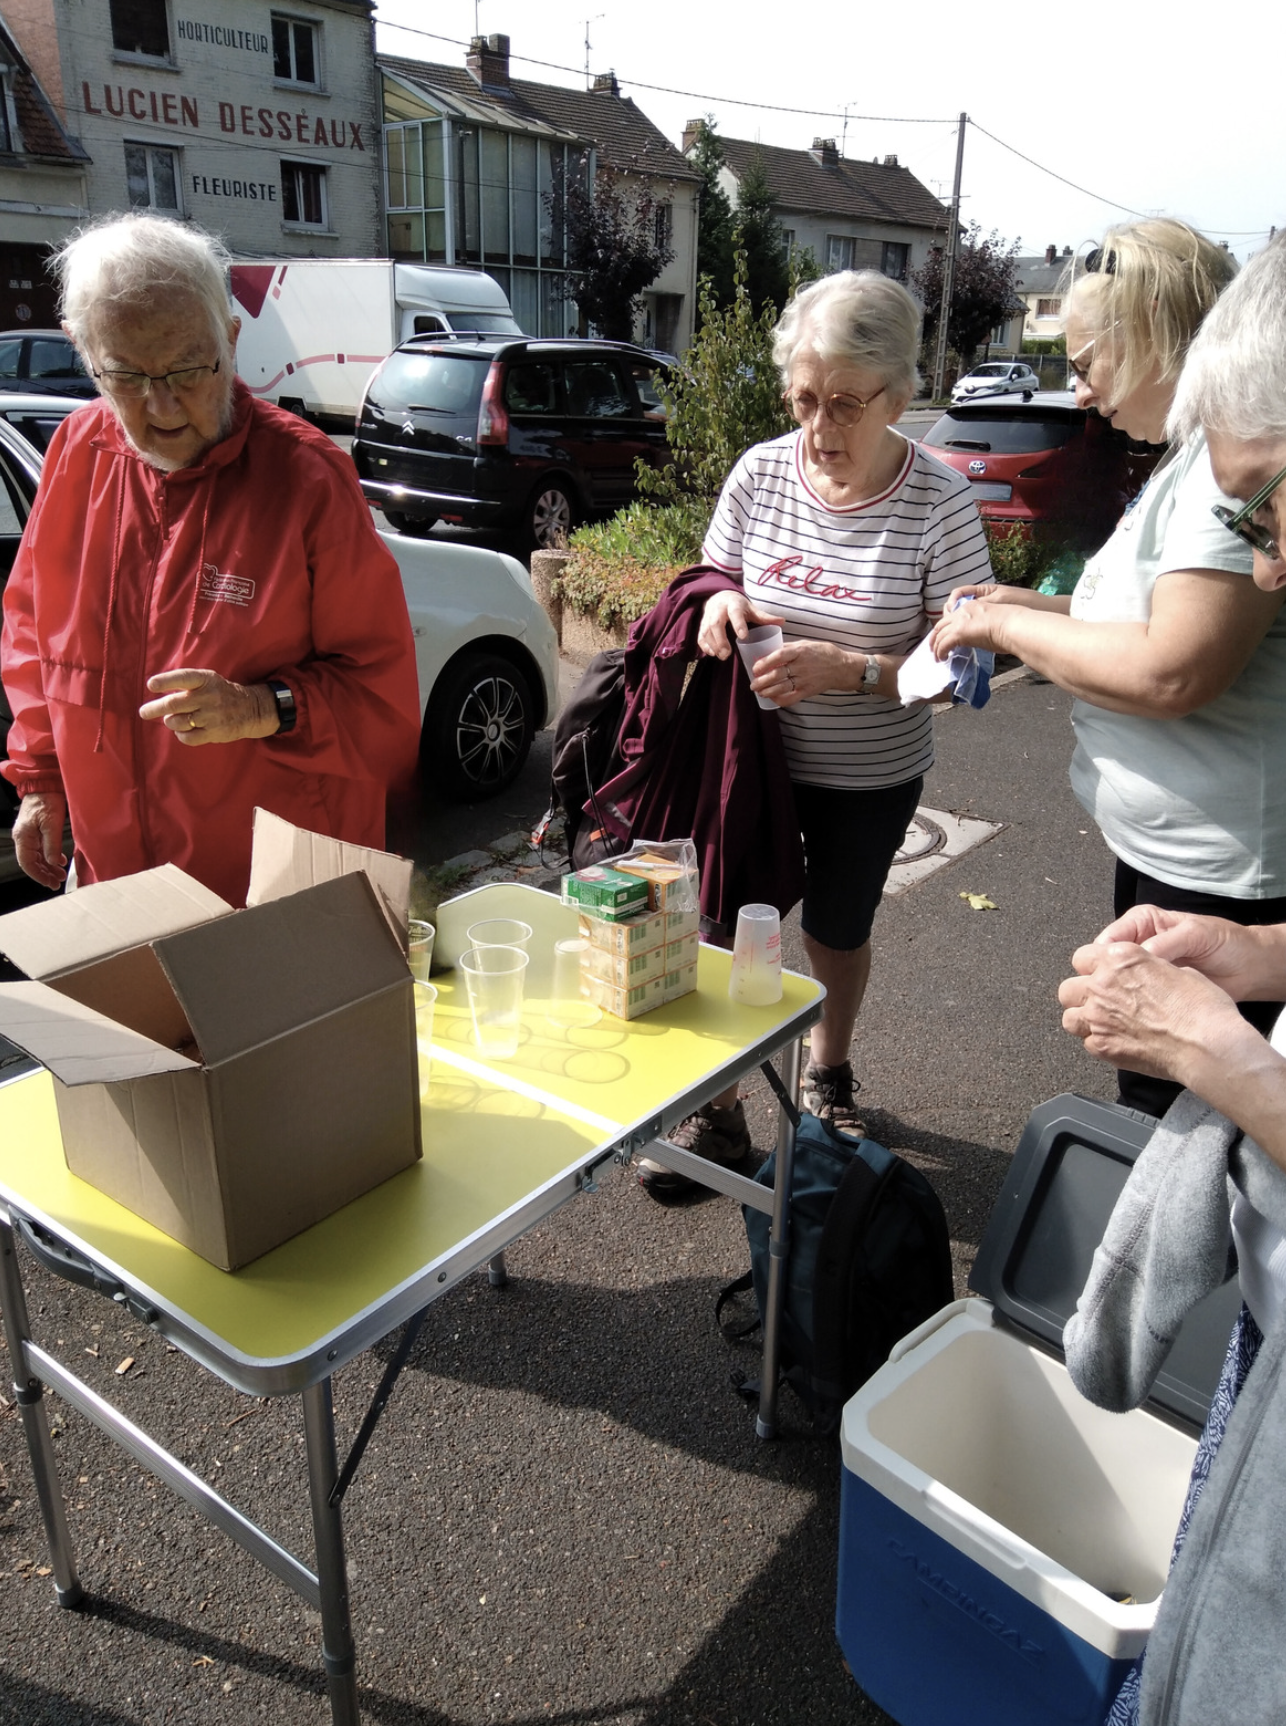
(259, 561)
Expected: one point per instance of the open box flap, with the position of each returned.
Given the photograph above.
(78, 1045)
(286, 858)
(104, 918)
(271, 968)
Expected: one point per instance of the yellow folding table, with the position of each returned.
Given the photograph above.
(505, 1144)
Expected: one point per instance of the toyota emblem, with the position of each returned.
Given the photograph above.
(977, 467)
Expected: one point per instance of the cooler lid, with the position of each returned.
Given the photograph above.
(1036, 1251)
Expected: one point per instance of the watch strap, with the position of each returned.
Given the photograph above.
(287, 712)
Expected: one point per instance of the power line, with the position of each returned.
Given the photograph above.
(1053, 176)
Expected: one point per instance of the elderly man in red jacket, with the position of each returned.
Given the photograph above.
(201, 618)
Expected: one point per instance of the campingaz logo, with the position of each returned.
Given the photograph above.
(977, 467)
(951, 1592)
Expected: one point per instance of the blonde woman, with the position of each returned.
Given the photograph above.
(1176, 658)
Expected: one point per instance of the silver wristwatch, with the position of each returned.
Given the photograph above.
(871, 676)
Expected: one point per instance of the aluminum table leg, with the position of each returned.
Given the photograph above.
(338, 1654)
(778, 1247)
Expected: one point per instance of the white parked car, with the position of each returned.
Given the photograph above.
(486, 653)
(996, 378)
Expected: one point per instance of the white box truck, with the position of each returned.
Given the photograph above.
(314, 329)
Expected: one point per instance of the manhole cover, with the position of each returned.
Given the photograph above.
(923, 839)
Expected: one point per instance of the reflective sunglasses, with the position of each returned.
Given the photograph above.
(841, 410)
(1240, 522)
(139, 384)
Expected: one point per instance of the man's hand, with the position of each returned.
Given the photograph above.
(38, 838)
(201, 707)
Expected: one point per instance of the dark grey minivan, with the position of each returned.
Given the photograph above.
(534, 435)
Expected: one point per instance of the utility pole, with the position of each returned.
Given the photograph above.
(949, 269)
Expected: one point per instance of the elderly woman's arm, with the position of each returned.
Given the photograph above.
(1156, 993)
(1204, 626)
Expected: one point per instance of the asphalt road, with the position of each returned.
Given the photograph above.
(565, 1515)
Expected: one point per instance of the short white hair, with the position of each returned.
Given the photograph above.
(130, 260)
(855, 318)
(1234, 382)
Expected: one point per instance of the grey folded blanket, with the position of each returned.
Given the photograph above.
(1168, 1245)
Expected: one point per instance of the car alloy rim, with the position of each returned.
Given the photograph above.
(489, 731)
(552, 515)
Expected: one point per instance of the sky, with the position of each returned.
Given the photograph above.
(1119, 97)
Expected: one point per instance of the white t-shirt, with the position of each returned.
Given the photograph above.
(1261, 1246)
(871, 577)
(1199, 802)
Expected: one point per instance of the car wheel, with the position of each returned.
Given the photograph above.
(479, 728)
(551, 516)
(413, 526)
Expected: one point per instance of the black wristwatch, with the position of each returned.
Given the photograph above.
(287, 712)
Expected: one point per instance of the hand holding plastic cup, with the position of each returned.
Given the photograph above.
(499, 932)
(756, 957)
(494, 978)
(419, 948)
(759, 642)
(426, 999)
(568, 1008)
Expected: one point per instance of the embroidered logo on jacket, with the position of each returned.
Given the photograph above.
(230, 589)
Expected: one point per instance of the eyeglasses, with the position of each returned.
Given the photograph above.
(139, 384)
(1241, 522)
(841, 410)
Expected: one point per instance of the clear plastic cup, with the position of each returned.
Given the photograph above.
(759, 642)
(499, 932)
(568, 1008)
(426, 999)
(419, 948)
(494, 978)
(755, 980)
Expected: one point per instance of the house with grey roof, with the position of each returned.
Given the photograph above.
(472, 155)
(850, 214)
(42, 188)
(1037, 283)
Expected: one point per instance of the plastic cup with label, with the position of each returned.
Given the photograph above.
(568, 1008)
(756, 957)
(499, 932)
(494, 978)
(758, 643)
(426, 999)
(419, 948)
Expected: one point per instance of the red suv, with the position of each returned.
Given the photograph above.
(1043, 461)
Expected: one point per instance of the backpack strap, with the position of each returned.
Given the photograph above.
(857, 1198)
(735, 1333)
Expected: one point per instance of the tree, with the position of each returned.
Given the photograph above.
(982, 290)
(763, 238)
(617, 245)
(726, 397)
(714, 216)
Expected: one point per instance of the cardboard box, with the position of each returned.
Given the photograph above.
(631, 935)
(681, 953)
(667, 882)
(681, 923)
(231, 1076)
(624, 970)
(624, 1003)
(680, 982)
(605, 892)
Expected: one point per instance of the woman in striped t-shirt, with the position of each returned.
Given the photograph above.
(851, 538)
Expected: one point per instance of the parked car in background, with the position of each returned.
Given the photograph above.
(37, 417)
(1043, 461)
(42, 362)
(485, 652)
(996, 378)
(533, 435)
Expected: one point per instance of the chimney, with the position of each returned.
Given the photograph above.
(1067, 251)
(890, 161)
(1051, 252)
(691, 132)
(488, 61)
(605, 84)
(824, 152)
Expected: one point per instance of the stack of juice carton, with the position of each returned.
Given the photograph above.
(640, 916)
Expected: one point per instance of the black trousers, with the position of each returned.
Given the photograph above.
(1137, 1090)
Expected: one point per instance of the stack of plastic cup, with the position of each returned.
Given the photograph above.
(419, 948)
(568, 1008)
(494, 978)
(757, 645)
(499, 932)
(756, 957)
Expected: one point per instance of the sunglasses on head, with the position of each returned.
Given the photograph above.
(1241, 522)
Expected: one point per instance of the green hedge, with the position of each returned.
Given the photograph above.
(618, 569)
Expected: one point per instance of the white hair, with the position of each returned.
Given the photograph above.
(1234, 382)
(131, 260)
(856, 318)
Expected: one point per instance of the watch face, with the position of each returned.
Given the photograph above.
(871, 676)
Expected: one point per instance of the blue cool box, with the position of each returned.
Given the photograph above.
(1003, 1543)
